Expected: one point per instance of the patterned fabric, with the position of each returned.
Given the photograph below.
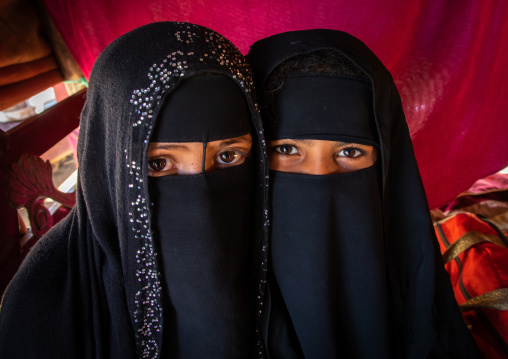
(475, 253)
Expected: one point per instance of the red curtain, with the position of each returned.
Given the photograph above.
(449, 59)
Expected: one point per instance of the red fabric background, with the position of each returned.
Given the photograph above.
(448, 58)
(483, 269)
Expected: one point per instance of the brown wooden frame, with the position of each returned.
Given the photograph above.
(33, 136)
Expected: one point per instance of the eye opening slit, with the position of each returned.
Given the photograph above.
(204, 158)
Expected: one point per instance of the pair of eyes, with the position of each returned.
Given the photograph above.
(348, 152)
(319, 157)
(223, 159)
(187, 158)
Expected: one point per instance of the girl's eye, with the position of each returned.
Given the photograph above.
(227, 157)
(230, 158)
(286, 150)
(161, 166)
(350, 152)
(157, 164)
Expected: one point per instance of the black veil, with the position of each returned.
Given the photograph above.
(424, 319)
(91, 286)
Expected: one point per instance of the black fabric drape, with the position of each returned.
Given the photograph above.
(323, 107)
(202, 109)
(328, 260)
(91, 287)
(202, 226)
(422, 319)
(204, 261)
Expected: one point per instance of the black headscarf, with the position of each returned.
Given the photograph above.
(92, 287)
(355, 269)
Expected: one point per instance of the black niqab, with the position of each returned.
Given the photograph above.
(327, 259)
(374, 285)
(91, 288)
(203, 109)
(202, 226)
(329, 107)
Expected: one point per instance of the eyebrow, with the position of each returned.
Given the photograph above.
(170, 146)
(231, 141)
(310, 143)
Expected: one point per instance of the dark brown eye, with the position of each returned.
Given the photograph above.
(286, 149)
(157, 164)
(350, 152)
(227, 156)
